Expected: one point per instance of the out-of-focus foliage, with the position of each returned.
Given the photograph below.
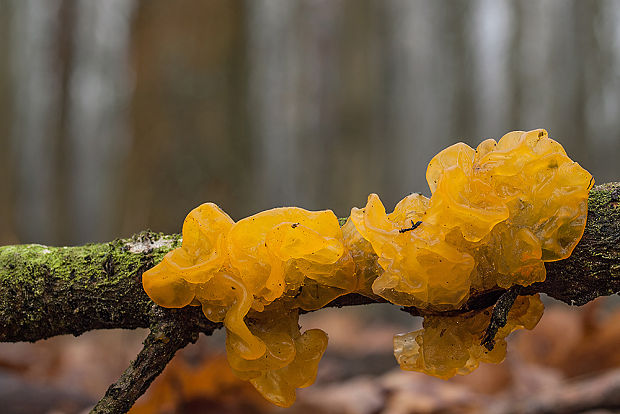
(570, 349)
(210, 386)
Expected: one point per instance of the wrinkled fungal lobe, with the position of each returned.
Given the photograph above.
(496, 214)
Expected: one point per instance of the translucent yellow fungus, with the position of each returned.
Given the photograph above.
(447, 346)
(236, 271)
(496, 214)
(290, 361)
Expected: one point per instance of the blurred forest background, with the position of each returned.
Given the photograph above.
(122, 115)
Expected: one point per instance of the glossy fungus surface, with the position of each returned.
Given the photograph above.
(496, 214)
(254, 276)
(447, 346)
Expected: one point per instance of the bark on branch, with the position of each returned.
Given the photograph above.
(48, 291)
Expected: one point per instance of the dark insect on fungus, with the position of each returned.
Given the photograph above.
(413, 226)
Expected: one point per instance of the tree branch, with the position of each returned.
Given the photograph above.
(499, 316)
(49, 291)
(593, 269)
(164, 340)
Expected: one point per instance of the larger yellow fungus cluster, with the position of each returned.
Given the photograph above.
(496, 214)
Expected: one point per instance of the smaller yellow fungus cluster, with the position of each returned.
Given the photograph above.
(236, 271)
(496, 214)
(447, 346)
(290, 361)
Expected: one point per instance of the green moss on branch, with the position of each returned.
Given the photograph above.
(593, 269)
(48, 291)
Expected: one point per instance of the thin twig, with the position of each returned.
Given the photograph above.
(499, 316)
(167, 336)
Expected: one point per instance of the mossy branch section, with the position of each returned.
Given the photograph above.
(593, 269)
(48, 291)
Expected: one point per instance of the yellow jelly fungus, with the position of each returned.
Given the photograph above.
(291, 359)
(447, 346)
(235, 272)
(496, 214)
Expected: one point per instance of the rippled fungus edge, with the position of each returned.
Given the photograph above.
(496, 214)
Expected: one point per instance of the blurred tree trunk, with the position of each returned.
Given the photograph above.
(275, 97)
(320, 25)
(187, 112)
(515, 94)
(7, 199)
(60, 138)
(358, 153)
(419, 90)
(603, 138)
(34, 100)
(571, 53)
(100, 92)
(460, 52)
